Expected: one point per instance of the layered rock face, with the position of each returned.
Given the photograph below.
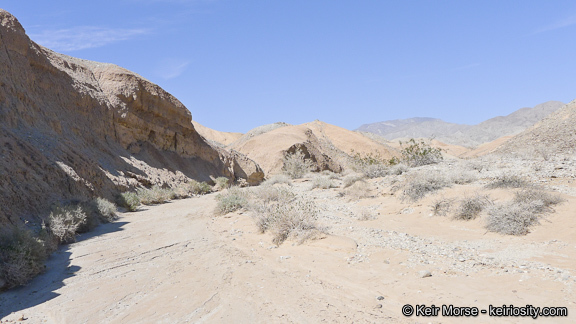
(74, 129)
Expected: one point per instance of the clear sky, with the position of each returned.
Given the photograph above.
(238, 64)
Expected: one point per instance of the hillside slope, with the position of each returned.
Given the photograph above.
(75, 129)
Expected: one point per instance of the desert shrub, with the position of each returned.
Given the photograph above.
(350, 179)
(66, 221)
(419, 153)
(442, 206)
(370, 164)
(221, 183)
(231, 200)
(22, 256)
(470, 207)
(294, 220)
(269, 194)
(199, 188)
(420, 184)
(360, 189)
(322, 182)
(508, 181)
(296, 165)
(278, 178)
(106, 210)
(155, 195)
(463, 177)
(398, 168)
(517, 216)
(129, 200)
(366, 214)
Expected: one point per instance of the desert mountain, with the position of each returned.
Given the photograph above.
(223, 138)
(74, 129)
(463, 135)
(555, 134)
(327, 145)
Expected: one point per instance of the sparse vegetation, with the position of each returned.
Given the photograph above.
(418, 185)
(508, 181)
(221, 183)
(366, 215)
(419, 153)
(358, 190)
(278, 179)
(442, 206)
(471, 207)
(351, 179)
(199, 188)
(296, 165)
(129, 200)
(22, 256)
(371, 164)
(517, 216)
(106, 210)
(231, 200)
(66, 221)
(155, 195)
(322, 182)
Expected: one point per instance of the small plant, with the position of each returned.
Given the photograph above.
(508, 181)
(419, 153)
(129, 200)
(442, 206)
(538, 197)
(22, 256)
(199, 188)
(366, 215)
(155, 195)
(66, 221)
(278, 179)
(471, 207)
(296, 165)
(105, 209)
(370, 164)
(322, 182)
(231, 200)
(221, 183)
(420, 184)
(351, 179)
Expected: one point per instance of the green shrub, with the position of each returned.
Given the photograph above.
(221, 183)
(22, 256)
(370, 164)
(419, 153)
(231, 200)
(129, 200)
(296, 165)
(155, 195)
(199, 188)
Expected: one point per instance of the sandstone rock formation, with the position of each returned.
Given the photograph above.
(71, 128)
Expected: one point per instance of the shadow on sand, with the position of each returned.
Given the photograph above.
(43, 288)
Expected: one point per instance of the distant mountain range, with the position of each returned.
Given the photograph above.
(460, 134)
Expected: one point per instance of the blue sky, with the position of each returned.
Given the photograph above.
(238, 64)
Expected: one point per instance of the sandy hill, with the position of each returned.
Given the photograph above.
(326, 144)
(210, 134)
(75, 129)
(459, 134)
(555, 134)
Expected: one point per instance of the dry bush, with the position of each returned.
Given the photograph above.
(322, 182)
(366, 215)
(517, 216)
(278, 179)
(155, 195)
(66, 221)
(22, 256)
(442, 206)
(106, 210)
(419, 153)
(370, 164)
(360, 189)
(350, 179)
(128, 200)
(508, 181)
(331, 175)
(199, 188)
(398, 169)
(471, 207)
(418, 185)
(463, 177)
(221, 183)
(296, 165)
(231, 200)
(269, 194)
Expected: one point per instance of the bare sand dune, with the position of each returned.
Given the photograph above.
(223, 138)
(268, 149)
